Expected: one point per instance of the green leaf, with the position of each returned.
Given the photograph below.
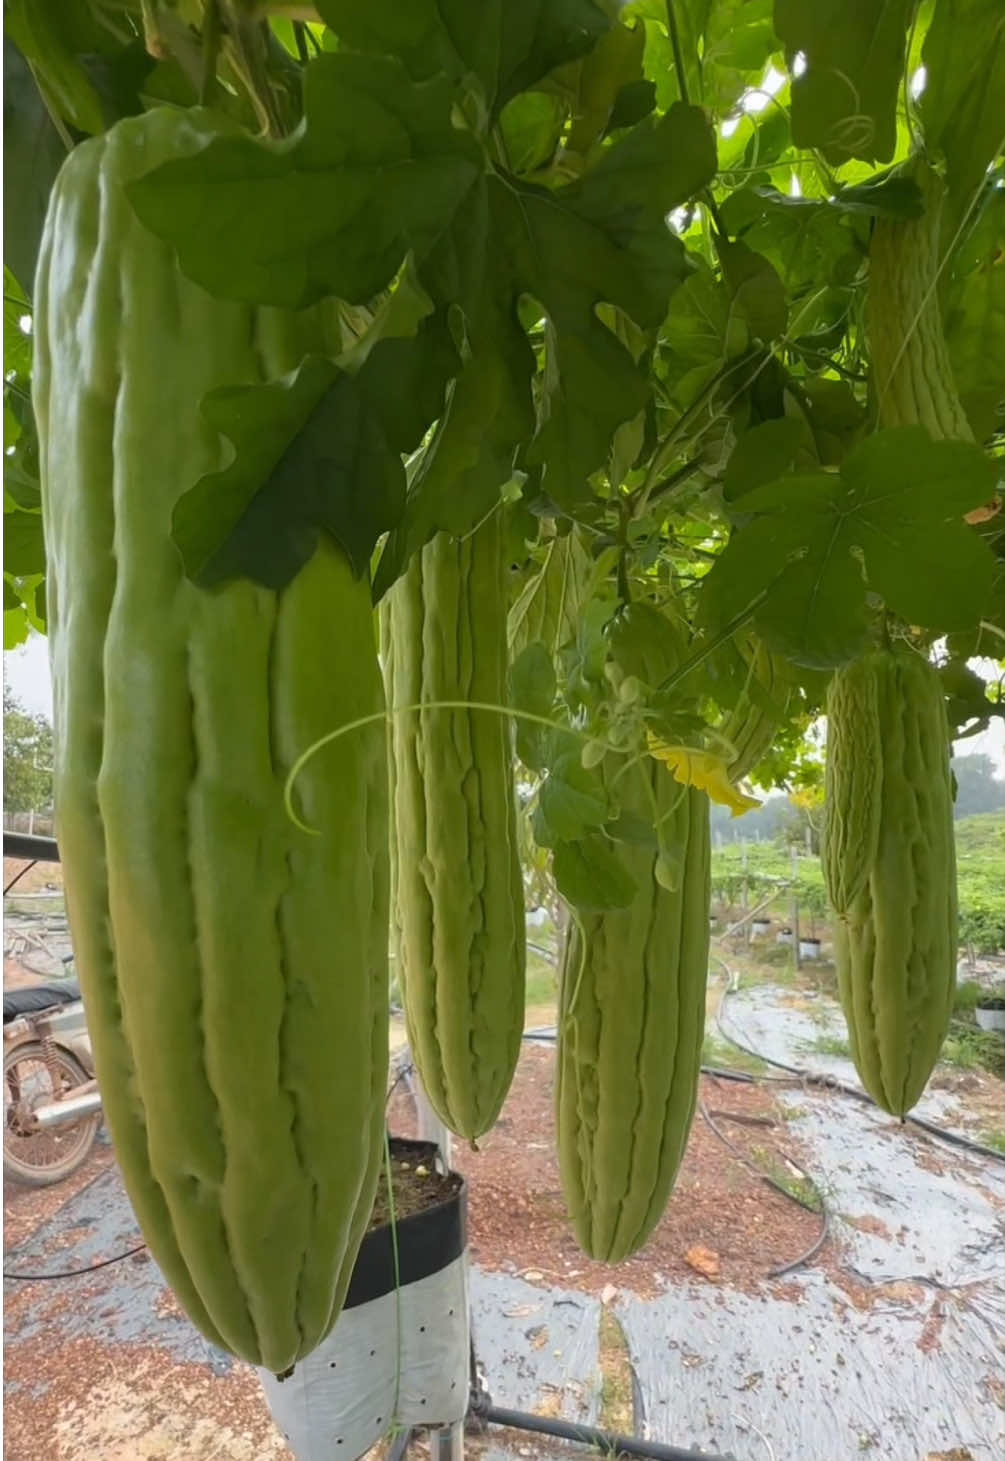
(818, 616)
(835, 416)
(725, 45)
(601, 239)
(19, 485)
(23, 544)
(809, 240)
(770, 139)
(614, 62)
(33, 153)
(548, 606)
(590, 875)
(312, 454)
(507, 44)
(633, 102)
(38, 28)
(756, 288)
(884, 195)
(974, 321)
(531, 126)
(16, 343)
(571, 800)
(699, 315)
(320, 449)
(311, 216)
(963, 104)
(644, 643)
(15, 625)
(737, 43)
(845, 101)
(532, 689)
(764, 454)
(405, 375)
(633, 828)
(892, 520)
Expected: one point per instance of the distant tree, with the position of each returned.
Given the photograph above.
(804, 817)
(978, 787)
(760, 825)
(27, 758)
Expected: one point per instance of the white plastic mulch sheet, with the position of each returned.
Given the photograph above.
(396, 1362)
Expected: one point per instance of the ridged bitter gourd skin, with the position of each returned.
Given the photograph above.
(753, 723)
(459, 901)
(911, 370)
(889, 852)
(631, 1023)
(234, 969)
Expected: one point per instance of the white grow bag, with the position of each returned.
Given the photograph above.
(393, 1360)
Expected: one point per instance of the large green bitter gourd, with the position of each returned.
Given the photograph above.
(234, 969)
(631, 1023)
(890, 867)
(911, 376)
(459, 901)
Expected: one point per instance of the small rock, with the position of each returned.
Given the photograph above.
(703, 1261)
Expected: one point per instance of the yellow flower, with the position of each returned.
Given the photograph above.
(705, 771)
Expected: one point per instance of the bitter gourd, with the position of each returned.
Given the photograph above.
(753, 722)
(459, 902)
(631, 1022)
(890, 865)
(233, 968)
(912, 378)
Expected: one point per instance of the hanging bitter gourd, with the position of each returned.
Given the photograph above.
(889, 855)
(234, 969)
(459, 902)
(631, 1021)
(890, 868)
(912, 378)
(761, 708)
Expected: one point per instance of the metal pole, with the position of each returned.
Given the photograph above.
(607, 1443)
(30, 849)
(447, 1442)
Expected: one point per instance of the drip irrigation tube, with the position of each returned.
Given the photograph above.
(831, 1083)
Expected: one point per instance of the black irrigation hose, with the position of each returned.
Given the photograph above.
(605, 1442)
(831, 1083)
(75, 1272)
(18, 876)
(820, 1211)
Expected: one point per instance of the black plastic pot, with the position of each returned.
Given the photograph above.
(427, 1241)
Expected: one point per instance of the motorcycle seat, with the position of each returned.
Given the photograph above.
(37, 997)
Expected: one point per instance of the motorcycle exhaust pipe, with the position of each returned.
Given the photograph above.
(84, 1102)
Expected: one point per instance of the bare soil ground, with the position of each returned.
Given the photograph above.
(722, 1221)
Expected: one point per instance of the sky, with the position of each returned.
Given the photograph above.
(26, 671)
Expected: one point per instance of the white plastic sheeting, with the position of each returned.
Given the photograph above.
(897, 1353)
(819, 1379)
(382, 1368)
(538, 1348)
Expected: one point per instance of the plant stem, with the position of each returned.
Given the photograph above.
(210, 51)
(678, 55)
(720, 637)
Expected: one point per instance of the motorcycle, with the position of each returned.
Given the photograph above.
(52, 1109)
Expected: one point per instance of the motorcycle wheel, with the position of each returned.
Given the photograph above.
(42, 1158)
